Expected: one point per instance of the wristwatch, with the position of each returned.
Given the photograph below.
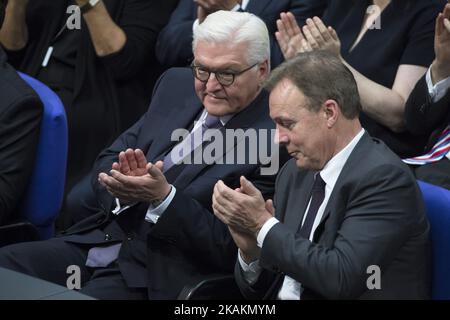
(88, 6)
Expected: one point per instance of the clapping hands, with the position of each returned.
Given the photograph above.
(313, 36)
(133, 179)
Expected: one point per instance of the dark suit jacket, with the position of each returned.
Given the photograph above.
(20, 119)
(375, 216)
(188, 242)
(174, 46)
(424, 117)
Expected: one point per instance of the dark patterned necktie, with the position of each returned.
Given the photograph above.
(317, 197)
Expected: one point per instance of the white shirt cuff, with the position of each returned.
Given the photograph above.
(264, 230)
(118, 209)
(250, 271)
(438, 90)
(153, 213)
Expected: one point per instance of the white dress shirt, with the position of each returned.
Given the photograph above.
(290, 290)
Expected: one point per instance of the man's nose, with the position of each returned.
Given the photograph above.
(212, 83)
(280, 137)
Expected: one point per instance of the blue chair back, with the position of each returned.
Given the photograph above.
(437, 203)
(43, 199)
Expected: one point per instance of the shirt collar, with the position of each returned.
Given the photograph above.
(223, 119)
(333, 168)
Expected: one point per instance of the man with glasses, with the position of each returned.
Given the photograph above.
(154, 230)
(225, 78)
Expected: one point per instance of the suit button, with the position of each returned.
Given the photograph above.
(107, 237)
(129, 236)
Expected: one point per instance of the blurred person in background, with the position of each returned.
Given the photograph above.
(388, 46)
(20, 120)
(174, 42)
(428, 111)
(99, 60)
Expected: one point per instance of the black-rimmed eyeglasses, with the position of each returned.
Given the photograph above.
(225, 78)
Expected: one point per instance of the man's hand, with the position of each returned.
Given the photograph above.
(247, 244)
(151, 187)
(131, 163)
(440, 69)
(243, 209)
(206, 7)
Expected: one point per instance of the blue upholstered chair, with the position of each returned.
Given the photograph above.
(437, 202)
(43, 198)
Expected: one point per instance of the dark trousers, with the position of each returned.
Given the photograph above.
(49, 260)
(437, 173)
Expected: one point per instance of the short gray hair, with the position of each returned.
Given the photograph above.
(236, 27)
(320, 76)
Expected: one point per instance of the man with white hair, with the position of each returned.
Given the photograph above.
(154, 230)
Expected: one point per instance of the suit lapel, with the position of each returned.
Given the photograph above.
(257, 6)
(294, 220)
(175, 119)
(353, 161)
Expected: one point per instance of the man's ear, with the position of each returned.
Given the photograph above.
(264, 70)
(331, 112)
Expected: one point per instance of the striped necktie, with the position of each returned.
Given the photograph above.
(439, 151)
(191, 142)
